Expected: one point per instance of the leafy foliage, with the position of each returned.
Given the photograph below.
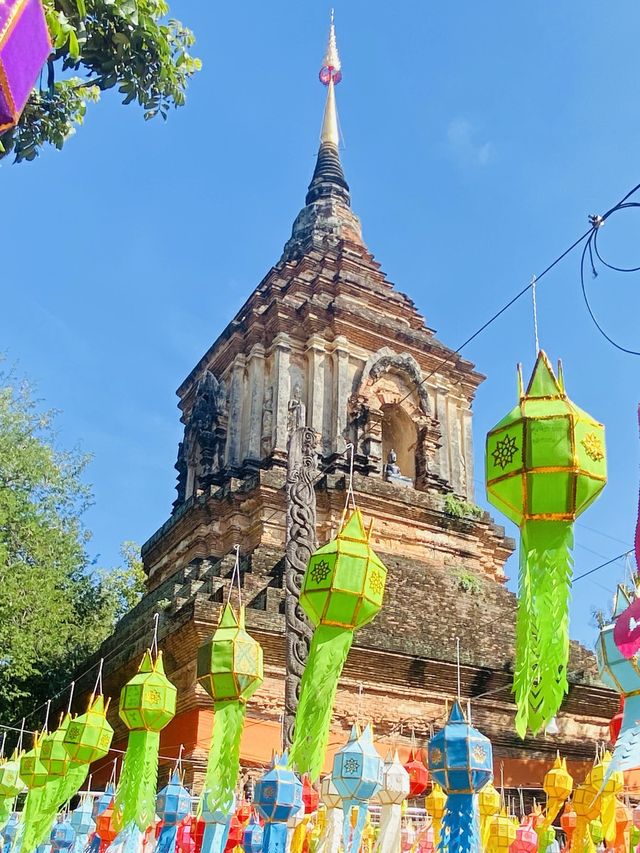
(457, 508)
(53, 609)
(126, 43)
(469, 582)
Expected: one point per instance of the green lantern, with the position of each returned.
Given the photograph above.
(147, 705)
(230, 668)
(342, 590)
(32, 771)
(53, 754)
(545, 464)
(10, 782)
(230, 665)
(88, 737)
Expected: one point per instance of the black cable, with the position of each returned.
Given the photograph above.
(602, 566)
(591, 247)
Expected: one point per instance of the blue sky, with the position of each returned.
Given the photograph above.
(478, 137)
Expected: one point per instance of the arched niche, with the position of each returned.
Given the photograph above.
(399, 434)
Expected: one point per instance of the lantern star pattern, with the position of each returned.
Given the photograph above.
(396, 787)
(342, 590)
(173, 804)
(88, 737)
(545, 464)
(460, 761)
(147, 705)
(230, 668)
(277, 797)
(623, 676)
(24, 48)
(357, 775)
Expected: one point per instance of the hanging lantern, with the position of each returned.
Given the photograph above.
(185, 840)
(341, 591)
(396, 786)
(173, 804)
(310, 796)
(435, 803)
(622, 675)
(277, 797)
(88, 737)
(568, 822)
(615, 723)
(330, 835)
(230, 668)
(545, 464)
(24, 47)
(82, 821)
(460, 760)
(62, 836)
(10, 782)
(105, 829)
(147, 705)
(557, 785)
(236, 833)
(357, 775)
(418, 774)
(526, 840)
(501, 833)
(32, 771)
(253, 836)
(53, 754)
(489, 803)
(216, 824)
(596, 831)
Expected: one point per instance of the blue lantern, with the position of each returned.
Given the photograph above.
(173, 804)
(621, 674)
(62, 836)
(217, 822)
(461, 762)
(253, 836)
(82, 821)
(357, 775)
(277, 797)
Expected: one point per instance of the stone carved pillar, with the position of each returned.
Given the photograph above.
(300, 544)
(316, 354)
(236, 401)
(256, 403)
(281, 393)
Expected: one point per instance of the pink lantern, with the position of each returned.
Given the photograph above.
(24, 48)
(526, 838)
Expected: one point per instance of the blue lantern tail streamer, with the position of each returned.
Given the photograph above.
(128, 840)
(167, 840)
(215, 837)
(275, 838)
(460, 829)
(94, 844)
(356, 837)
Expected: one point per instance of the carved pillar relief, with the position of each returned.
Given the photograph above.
(253, 452)
(342, 393)
(316, 382)
(281, 392)
(468, 454)
(236, 403)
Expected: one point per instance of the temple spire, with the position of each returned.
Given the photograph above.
(328, 177)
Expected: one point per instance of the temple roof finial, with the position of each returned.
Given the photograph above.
(328, 177)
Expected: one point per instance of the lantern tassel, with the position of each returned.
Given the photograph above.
(131, 838)
(55, 793)
(460, 831)
(224, 755)
(542, 625)
(274, 839)
(327, 653)
(389, 837)
(352, 838)
(167, 840)
(5, 811)
(331, 832)
(215, 837)
(135, 799)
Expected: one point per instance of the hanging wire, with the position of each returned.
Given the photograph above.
(350, 495)
(21, 738)
(235, 577)
(458, 665)
(114, 771)
(45, 727)
(154, 641)
(535, 315)
(71, 691)
(4, 740)
(96, 691)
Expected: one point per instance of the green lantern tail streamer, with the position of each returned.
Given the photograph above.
(5, 811)
(135, 800)
(327, 654)
(55, 794)
(29, 820)
(542, 625)
(224, 754)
